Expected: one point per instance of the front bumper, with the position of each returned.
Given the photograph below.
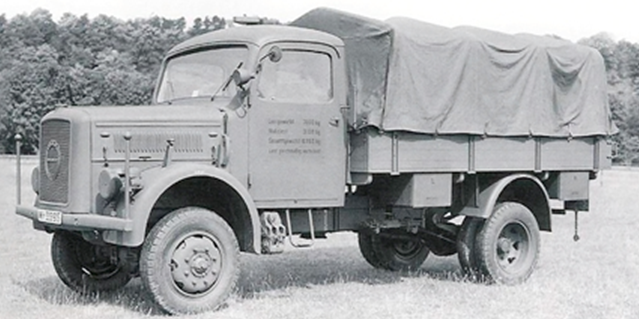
(79, 221)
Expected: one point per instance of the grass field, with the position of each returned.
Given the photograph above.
(597, 277)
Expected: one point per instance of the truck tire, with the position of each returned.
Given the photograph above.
(366, 248)
(507, 247)
(82, 267)
(392, 254)
(190, 261)
(466, 252)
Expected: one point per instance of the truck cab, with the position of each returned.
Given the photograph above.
(287, 117)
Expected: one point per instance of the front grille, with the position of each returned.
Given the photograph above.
(54, 161)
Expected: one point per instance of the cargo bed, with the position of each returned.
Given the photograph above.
(403, 152)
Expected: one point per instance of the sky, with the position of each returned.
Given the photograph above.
(572, 20)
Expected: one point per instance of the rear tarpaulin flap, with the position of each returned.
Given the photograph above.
(408, 75)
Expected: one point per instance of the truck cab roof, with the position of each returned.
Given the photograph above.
(258, 35)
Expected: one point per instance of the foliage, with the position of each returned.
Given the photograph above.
(622, 67)
(79, 61)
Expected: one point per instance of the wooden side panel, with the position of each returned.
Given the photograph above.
(504, 154)
(380, 149)
(403, 152)
(418, 153)
(563, 154)
(371, 152)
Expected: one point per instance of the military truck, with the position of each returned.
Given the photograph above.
(420, 138)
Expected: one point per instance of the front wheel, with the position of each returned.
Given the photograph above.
(390, 253)
(190, 261)
(84, 267)
(508, 244)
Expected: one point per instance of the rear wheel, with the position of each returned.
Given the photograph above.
(507, 247)
(190, 261)
(84, 267)
(386, 252)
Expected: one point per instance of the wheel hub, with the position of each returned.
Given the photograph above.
(507, 250)
(200, 264)
(405, 248)
(511, 247)
(195, 264)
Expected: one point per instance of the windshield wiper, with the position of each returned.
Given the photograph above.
(225, 85)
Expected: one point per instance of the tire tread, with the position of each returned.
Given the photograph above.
(151, 250)
(501, 214)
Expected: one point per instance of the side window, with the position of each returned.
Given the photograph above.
(300, 76)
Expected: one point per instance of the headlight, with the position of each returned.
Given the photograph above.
(35, 180)
(109, 184)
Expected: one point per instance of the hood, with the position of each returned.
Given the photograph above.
(194, 130)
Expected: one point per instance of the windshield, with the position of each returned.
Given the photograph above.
(200, 74)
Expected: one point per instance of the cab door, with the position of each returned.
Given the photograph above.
(297, 151)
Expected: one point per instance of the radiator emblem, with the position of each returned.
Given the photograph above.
(53, 158)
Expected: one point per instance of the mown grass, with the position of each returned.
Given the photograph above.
(597, 277)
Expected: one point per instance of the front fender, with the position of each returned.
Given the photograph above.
(157, 181)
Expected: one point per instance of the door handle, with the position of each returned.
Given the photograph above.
(334, 121)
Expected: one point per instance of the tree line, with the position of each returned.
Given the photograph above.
(80, 61)
(622, 67)
(107, 61)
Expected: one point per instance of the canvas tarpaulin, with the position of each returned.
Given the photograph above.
(414, 76)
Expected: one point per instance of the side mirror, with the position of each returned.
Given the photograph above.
(242, 76)
(274, 54)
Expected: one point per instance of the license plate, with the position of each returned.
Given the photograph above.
(50, 216)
